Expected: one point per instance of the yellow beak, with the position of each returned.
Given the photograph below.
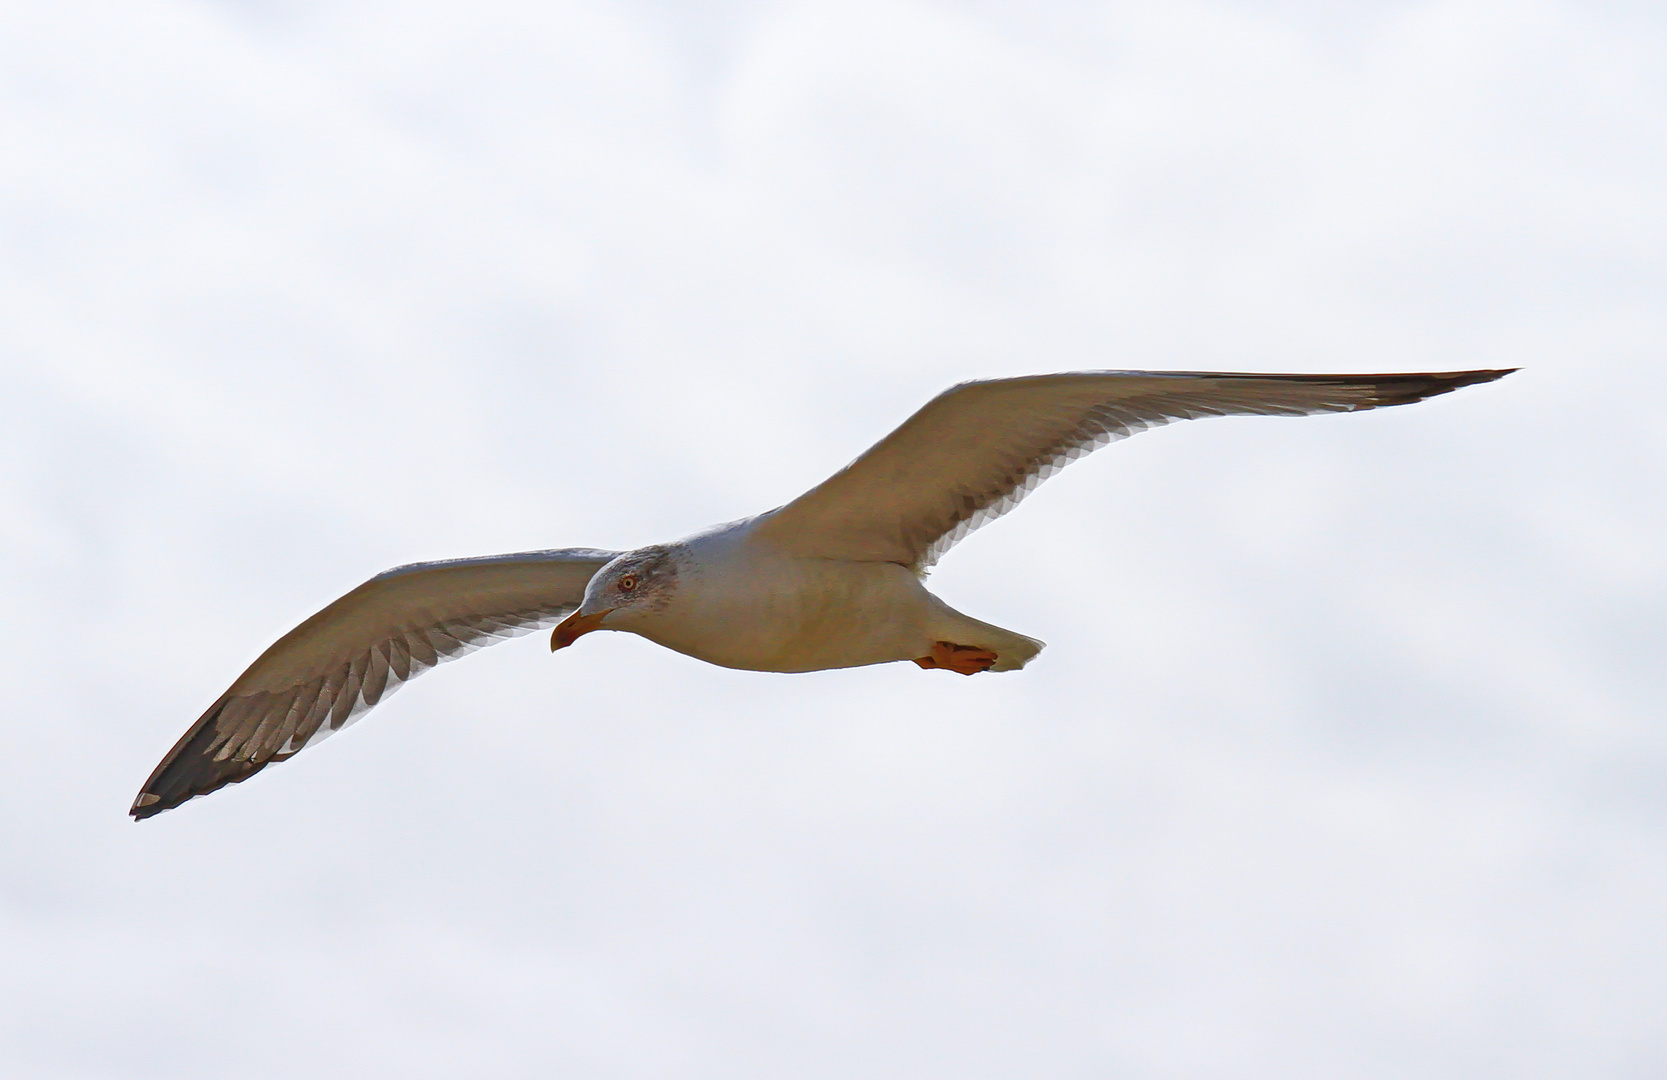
(573, 627)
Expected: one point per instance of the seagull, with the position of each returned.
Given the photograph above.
(833, 579)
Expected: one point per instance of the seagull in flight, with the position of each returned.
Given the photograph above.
(833, 579)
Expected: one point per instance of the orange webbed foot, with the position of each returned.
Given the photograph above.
(965, 659)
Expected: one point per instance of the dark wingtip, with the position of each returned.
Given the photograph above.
(148, 804)
(190, 770)
(1405, 389)
(1392, 388)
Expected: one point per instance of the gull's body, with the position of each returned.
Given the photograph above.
(833, 579)
(744, 603)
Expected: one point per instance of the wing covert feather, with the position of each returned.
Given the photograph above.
(322, 675)
(971, 453)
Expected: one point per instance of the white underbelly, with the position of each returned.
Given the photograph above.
(803, 615)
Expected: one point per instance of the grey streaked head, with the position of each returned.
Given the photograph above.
(634, 586)
(640, 580)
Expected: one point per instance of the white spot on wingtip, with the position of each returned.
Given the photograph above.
(145, 800)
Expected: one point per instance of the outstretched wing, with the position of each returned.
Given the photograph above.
(320, 676)
(975, 450)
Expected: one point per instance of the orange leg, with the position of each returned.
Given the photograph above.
(962, 658)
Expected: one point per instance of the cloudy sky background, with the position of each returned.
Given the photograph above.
(1348, 756)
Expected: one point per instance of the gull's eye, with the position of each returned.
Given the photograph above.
(627, 583)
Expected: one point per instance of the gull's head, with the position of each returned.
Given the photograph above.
(633, 588)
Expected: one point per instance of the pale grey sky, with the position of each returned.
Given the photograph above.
(1348, 755)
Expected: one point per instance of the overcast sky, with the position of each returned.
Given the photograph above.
(1348, 755)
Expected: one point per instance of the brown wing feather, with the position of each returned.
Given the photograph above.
(973, 452)
(319, 677)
